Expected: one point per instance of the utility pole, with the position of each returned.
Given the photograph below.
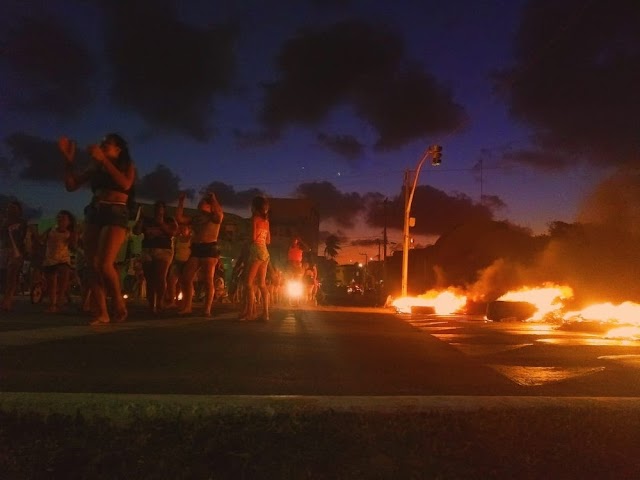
(435, 151)
(384, 247)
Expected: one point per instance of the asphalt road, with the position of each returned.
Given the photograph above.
(329, 351)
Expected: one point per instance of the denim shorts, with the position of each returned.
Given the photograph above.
(103, 214)
(205, 250)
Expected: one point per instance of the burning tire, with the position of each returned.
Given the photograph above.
(500, 311)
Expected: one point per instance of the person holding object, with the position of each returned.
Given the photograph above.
(13, 232)
(205, 227)
(111, 176)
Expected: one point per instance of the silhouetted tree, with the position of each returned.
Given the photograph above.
(332, 247)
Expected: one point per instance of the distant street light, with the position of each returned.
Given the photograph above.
(435, 151)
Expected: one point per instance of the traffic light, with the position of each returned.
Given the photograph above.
(436, 155)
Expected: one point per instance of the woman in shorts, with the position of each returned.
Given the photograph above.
(157, 253)
(111, 176)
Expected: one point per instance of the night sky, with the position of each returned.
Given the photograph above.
(535, 104)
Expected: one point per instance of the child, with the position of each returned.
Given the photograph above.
(59, 242)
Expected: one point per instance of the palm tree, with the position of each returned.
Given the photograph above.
(332, 247)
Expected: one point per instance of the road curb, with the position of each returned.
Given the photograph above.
(122, 408)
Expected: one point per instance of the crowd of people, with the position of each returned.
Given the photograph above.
(179, 261)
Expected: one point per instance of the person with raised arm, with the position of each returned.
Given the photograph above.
(111, 176)
(205, 226)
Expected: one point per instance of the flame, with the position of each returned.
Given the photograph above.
(547, 298)
(626, 315)
(624, 333)
(443, 302)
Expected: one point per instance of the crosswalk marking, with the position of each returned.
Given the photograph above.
(626, 360)
(528, 376)
(476, 350)
(471, 343)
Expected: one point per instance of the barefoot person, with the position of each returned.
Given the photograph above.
(205, 226)
(181, 253)
(157, 253)
(111, 176)
(258, 260)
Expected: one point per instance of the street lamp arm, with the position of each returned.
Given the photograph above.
(425, 155)
(433, 150)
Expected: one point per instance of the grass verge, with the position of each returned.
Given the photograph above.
(507, 443)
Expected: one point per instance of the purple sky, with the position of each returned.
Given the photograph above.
(330, 99)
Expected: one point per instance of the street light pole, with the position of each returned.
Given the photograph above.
(436, 152)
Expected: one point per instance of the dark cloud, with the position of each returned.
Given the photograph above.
(49, 70)
(34, 158)
(409, 106)
(229, 198)
(575, 81)
(160, 184)
(435, 211)
(364, 66)
(331, 203)
(331, 3)
(165, 70)
(346, 146)
(548, 160)
(365, 242)
(343, 238)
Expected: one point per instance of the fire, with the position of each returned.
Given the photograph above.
(626, 315)
(548, 298)
(443, 302)
(624, 333)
